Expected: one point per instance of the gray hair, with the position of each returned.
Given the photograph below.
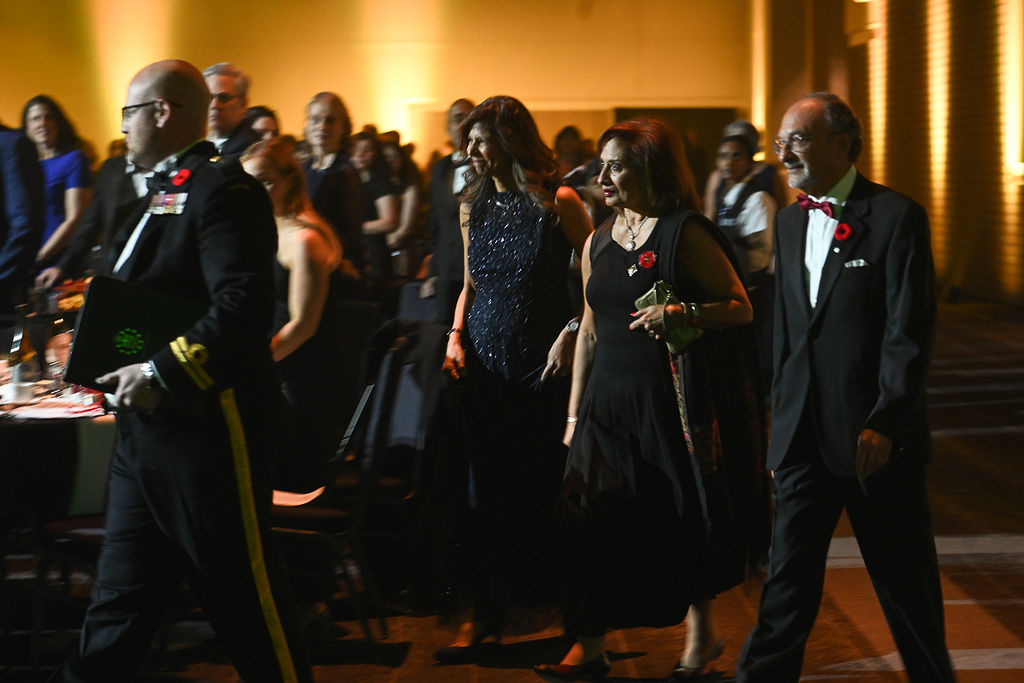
(839, 118)
(229, 69)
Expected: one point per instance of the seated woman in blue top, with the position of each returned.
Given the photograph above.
(66, 173)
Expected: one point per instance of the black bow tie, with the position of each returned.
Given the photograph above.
(157, 182)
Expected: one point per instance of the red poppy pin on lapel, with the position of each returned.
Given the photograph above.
(843, 232)
(180, 177)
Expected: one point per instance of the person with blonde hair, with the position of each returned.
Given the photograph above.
(333, 184)
(306, 321)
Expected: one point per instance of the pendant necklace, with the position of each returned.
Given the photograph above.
(631, 243)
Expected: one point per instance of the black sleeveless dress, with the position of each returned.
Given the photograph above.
(310, 377)
(518, 258)
(632, 527)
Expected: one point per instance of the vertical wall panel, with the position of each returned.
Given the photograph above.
(944, 140)
(907, 150)
(859, 98)
(975, 170)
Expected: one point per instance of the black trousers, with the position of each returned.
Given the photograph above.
(892, 523)
(185, 502)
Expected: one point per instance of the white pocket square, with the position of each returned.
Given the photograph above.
(856, 263)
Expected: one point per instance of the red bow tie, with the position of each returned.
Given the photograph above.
(806, 203)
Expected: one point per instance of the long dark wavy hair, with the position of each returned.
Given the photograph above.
(657, 152)
(378, 166)
(67, 138)
(533, 162)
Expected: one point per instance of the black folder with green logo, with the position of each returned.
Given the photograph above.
(122, 323)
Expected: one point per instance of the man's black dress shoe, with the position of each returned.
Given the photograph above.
(595, 669)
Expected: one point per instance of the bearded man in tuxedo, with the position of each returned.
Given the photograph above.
(854, 329)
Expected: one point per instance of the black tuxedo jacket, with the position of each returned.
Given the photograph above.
(239, 141)
(443, 223)
(113, 201)
(859, 358)
(219, 250)
(21, 214)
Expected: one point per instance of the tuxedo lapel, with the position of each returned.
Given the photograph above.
(174, 186)
(126, 190)
(793, 245)
(854, 214)
(123, 231)
(145, 245)
(125, 210)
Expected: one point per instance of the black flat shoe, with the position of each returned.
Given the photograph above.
(595, 669)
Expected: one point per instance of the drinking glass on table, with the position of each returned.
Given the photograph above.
(57, 348)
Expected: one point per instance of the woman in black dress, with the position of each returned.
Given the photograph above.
(633, 525)
(332, 183)
(406, 176)
(381, 204)
(512, 346)
(308, 326)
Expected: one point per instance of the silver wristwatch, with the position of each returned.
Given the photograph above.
(146, 368)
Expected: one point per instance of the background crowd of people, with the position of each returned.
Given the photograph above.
(611, 345)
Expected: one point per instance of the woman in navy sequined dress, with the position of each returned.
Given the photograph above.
(512, 347)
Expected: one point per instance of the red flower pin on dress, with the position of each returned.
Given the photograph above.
(180, 177)
(843, 232)
(647, 259)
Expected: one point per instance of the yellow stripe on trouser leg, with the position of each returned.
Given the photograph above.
(252, 536)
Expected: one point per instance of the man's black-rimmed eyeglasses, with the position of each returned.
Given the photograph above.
(796, 142)
(128, 109)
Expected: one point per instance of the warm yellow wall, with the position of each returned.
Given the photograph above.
(397, 63)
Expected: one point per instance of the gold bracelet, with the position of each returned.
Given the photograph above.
(692, 314)
(571, 419)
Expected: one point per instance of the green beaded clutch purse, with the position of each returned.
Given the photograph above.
(661, 292)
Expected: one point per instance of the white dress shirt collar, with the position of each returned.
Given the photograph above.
(840, 192)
